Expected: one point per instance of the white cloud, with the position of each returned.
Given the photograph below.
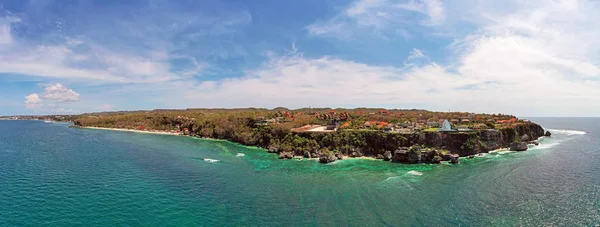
(384, 18)
(526, 57)
(6, 30)
(415, 54)
(5, 34)
(32, 100)
(59, 93)
(95, 63)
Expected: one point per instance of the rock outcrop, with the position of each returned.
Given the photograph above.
(286, 155)
(387, 156)
(414, 156)
(548, 133)
(273, 149)
(454, 158)
(356, 154)
(327, 158)
(400, 156)
(307, 154)
(518, 146)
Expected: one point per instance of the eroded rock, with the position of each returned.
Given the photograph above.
(286, 155)
(518, 146)
(327, 158)
(387, 156)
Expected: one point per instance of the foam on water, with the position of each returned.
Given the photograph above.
(391, 178)
(506, 152)
(567, 132)
(415, 173)
(543, 146)
(240, 154)
(210, 160)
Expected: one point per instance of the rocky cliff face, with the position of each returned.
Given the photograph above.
(470, 143)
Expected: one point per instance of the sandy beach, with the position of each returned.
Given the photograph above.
(138, 131)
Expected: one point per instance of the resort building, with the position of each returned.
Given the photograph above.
(446, 127)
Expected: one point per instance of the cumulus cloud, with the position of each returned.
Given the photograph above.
(537, 57)
(59, 93)
(54, 95)
(297, 81)
(158, 41)
(32, 100)
(533, 62)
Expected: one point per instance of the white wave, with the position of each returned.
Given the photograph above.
(497, 151)
(416, 173)
(567, 132)
(240, 155)
(391, 178)
(506, 152)
(543, 146)
(210, 160)
(49, 122)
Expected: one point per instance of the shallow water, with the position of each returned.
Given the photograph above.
(54, 175)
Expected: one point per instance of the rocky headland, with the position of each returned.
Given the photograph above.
(411, 147)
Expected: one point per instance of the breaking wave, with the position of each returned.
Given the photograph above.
(567, 132)
(210, 160)
(506, 152)
(240, 155)
(543, 146)
(391, 178)
(416, 173)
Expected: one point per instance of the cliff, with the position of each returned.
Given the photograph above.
(245, 127)
(470, 143)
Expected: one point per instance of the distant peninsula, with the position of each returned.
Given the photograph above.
(396, 135)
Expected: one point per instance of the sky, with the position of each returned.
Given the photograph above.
(521, 57)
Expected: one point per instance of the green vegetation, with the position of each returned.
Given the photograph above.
(471, 144)
(490, 125)
(360, 131)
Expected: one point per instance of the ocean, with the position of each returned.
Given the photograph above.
(53, 175)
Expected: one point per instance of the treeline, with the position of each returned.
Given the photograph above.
(255, 127)
(243, 127)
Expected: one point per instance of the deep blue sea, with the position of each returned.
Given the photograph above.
(53, 175)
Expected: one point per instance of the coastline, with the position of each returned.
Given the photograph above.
(472, 141)
(156, 132)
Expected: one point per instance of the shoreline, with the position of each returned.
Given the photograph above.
(296, 157)
(155, 132)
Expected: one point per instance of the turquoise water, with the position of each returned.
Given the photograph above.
(58, 176)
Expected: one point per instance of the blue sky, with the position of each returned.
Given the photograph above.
(529, 58)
